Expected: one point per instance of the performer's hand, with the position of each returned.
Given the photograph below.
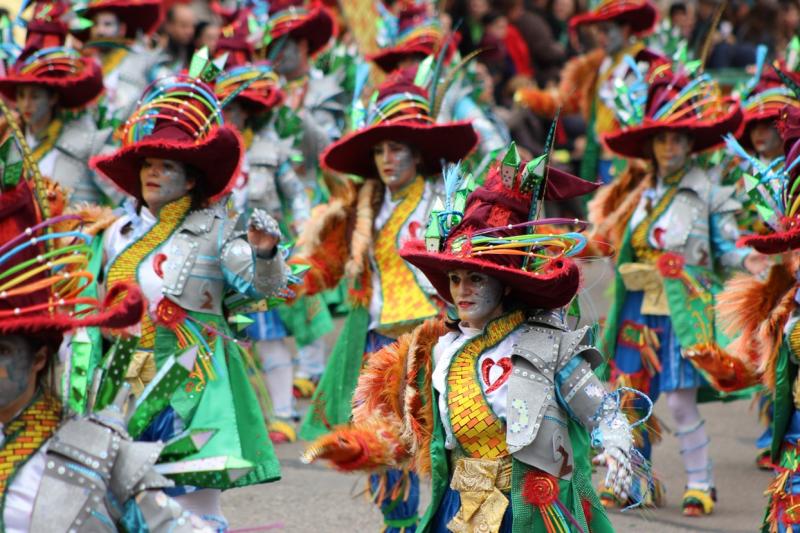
(263, 233)
(620, 473)
(340, 447)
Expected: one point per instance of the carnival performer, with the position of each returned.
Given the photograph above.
(496, 405)
(414, 34)
(56, 477)
(396, 152)
(116, 36)
(187, 249)
(45, 86)
(673, 223)
(763, 312)
(272, 184)
(586, 84)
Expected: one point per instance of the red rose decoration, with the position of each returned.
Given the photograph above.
(539, 489)
(670, 265)
(169, 314)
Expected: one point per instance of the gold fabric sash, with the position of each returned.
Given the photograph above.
(646, 277)
(481, 484)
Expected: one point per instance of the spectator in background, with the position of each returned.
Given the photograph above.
(179, 29)
(470, 13)
(547, 55)
(206, 33)
(558, 14)
(788, 25)
(495, 55)
(681, 19)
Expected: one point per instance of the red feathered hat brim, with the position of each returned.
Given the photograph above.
(640, 16)
(138, 16)
(548, 288)
(352, 154)
(123, 307)
(635, 142)
(317, 27)
(73, 91)
(389, 58)
(260, 101)
(774, 243)
(218, 157)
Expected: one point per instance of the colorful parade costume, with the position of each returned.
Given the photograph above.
(64, 147)
(586, 84)
(356, 239)
(673, 236)
(187, 258)
(497, 417)
(762, 313)
(126, 60)
(64, 477)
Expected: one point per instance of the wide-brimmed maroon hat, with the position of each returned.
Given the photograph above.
(143, 16)
(401, 113)
(766, 102)
(77, 80)
(259, 96)
(418, 35)
(499, 211)
(640, 15)
(314, 23)
(235, 40)
(179, 119)
(47, 27)
(677, 102)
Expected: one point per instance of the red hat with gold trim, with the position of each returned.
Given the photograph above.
(640, 15)
(143, 16)
(677, 101)
(293, 18)
(180, 119)
(77, 80)
(497, 232)
(256, 86)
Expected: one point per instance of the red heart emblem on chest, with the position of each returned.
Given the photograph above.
(486, 369)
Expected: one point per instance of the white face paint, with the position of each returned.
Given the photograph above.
(671, 152)
(36, 106)
(163, 181)
(478, 298)
(106, 25)
(16, 368)
(235, 115)
(290, 58)
(396, 163)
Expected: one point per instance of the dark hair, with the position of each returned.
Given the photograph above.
(677, 8)
(491, 17)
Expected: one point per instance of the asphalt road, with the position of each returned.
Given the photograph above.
(313, 498)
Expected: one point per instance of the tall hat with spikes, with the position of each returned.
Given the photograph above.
(494, 231)
(640, 15)
(670, 100)
(243, 31)
(179, 118)
(77, 80)
(139, 16)
(766, 95)
(414, 32)
(297, 19)
(400, 111)
(47, 26)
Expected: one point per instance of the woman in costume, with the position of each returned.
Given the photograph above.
(45, 85)
(187, 250)
(398, 152)
(53, 476)
(497, 406)
(674, 228)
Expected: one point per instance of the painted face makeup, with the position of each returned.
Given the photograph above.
(289, 59)
(671, 151)
(396, 163)
(477, 297)
(36, 106)
(16, 363)
(766, 140)
(610, 37)
(106, 25)
(163, 181)
(235, 115)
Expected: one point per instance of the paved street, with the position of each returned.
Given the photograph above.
(313, 498)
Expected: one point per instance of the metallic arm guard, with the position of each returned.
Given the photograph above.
(95, 477)
(245, 270)
(724, 227)
(292, 188)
